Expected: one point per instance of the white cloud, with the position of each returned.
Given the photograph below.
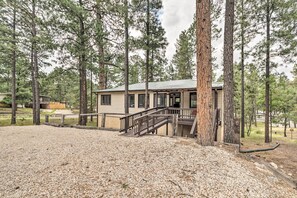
(177, 16)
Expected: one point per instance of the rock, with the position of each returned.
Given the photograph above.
(290, 174)
(262, 166)
(273, 165)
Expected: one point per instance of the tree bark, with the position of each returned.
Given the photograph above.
(242, 69)
(267, 83)
(34, 72)
(285, 129)
(204, 74)
(228, 73)
(82, 71)
(126, 60)
(33, 85)
(91, 95)
(13, 71)
(147, 64)
(100, 43)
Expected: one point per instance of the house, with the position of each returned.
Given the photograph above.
(45, 103)
(178, 95)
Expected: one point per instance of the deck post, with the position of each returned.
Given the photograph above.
(167, 127)
(147, 125)
(103, 120)
(153, 122)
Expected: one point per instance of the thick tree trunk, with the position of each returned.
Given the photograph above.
(204, 74)
(267, 83)
(242, 69)
(228, 73)
(126, 60)
(82, 71)
(147, 62)
(13, 70)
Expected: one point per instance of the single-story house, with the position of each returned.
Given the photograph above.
(45, 103)
(177, 94)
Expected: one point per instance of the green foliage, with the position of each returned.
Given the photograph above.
(183, 64)
(7, 100)
(183, 58)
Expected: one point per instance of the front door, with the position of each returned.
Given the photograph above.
(174, 100)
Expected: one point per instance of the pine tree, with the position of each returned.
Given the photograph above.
(204, 73)
(228, 74)
(183, 58)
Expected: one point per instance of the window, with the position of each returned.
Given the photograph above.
(193, 100)
(131, 101)
(105, 99)
(161, 101)
(141, 100)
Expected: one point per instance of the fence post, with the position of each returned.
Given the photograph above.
(62, 120)
(46, 118)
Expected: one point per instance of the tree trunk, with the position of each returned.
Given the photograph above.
(152, 66)
(255, 114)
(147, 62)
(242, 69)
(204, 74)
(82, 71)
(285, 130)
(13, 71)
(33, 84)
(100, 43)
(91, 96)
(37, 95)
(267, 83)
(126, 60)
(34, 72)
(228, 73)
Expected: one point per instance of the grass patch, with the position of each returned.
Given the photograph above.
(25, 118)
(257, 136)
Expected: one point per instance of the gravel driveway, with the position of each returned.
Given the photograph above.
(62, 162)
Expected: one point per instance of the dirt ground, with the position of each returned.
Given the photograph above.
(63, 162)
(285, 157)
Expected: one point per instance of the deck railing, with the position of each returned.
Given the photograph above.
(148, 122)
(183, 113)
(129, 120)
